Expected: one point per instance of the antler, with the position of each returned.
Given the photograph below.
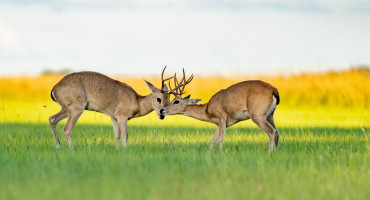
(175, 90)
(180, 87)
(166, 78)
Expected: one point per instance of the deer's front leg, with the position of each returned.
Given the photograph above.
(215, 138)
(221, 131)
(219, 134)
(117, 133)
(122, 121)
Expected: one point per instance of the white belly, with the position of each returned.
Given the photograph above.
(237, 117)
(241, 115)
(96, 108)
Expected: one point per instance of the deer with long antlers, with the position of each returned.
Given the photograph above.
(245, 100)
(93, 91)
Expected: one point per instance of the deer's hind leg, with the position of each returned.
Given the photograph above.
(71, 122)
(73, 99)
(267, 127)
(75, 109)
(270, 119)
(260, 109)
(54, 120)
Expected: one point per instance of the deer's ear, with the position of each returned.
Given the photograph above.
(152, 87)
(187, 97)
(194, 101)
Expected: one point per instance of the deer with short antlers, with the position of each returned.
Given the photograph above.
(252, 99)
(93, 91)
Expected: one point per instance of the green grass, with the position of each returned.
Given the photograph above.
(169, 162)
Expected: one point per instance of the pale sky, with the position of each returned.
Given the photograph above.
(140, 37)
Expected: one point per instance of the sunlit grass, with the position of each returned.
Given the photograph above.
(26, 112)
(175, 163)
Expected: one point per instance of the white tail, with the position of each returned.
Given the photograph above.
(81, 91)
(253, 99)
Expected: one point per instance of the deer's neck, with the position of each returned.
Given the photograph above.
(197, 112)
(145, 105)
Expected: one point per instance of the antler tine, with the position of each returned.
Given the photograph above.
(183, 74)
(180, 87)
(184, 82)
(163, 80)
(162, 76)
(175, 90)
(176, 84)
(163, 71)
(187, 81)
(168, 78)
(190, 79)
(169, 85)
(171, 90)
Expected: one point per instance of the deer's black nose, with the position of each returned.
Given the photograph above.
(161, 111)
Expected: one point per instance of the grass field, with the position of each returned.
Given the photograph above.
(175, 163)
(323, 151)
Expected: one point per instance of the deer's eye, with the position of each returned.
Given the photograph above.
(176, 102)
(159, 100)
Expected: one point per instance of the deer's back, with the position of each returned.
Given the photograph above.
(94, 89)
(239, 97)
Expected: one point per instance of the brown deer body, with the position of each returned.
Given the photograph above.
(81, 91)
(253, 99)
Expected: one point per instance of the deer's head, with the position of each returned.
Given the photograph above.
(159, 97)
(178, 104)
